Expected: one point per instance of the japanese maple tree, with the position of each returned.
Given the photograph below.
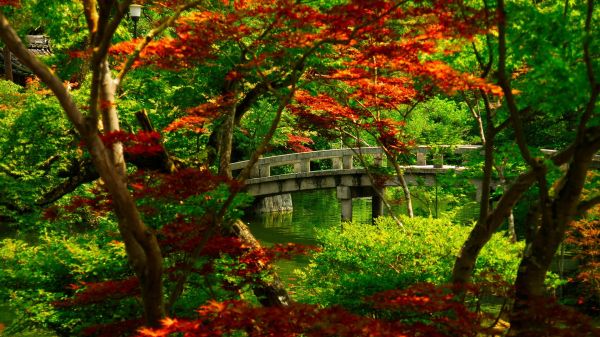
(266, 47)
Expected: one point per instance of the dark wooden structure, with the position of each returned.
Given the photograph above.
(38, 45)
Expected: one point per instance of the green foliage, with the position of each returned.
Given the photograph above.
(441, 121)
(360, 260)
(34, 275)
(37, 146)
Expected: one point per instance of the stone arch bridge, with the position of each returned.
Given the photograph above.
(283, 174)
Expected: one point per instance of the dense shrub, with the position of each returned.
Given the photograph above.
(359, 260)
(34, 276)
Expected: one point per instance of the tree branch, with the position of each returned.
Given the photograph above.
(586, 205)
(16, 46)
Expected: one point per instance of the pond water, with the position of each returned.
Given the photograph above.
(312, 211)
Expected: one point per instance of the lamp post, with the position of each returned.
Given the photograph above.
(135, 11)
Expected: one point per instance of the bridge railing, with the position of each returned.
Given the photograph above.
(344, 158)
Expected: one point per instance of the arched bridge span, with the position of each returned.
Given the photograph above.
(294, 172)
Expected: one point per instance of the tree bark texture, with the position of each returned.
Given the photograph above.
(529, 285)
(8, 71)
(407, 196)
(226, 144)
(271, 291)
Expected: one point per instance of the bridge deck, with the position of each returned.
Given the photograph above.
(343, 172)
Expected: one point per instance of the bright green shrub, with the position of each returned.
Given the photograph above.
(33, 276)
(360, 260)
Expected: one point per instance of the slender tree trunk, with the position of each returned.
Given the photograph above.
(529, 285)
(405, 189)
(512, 233)
(481, 233)
(110, 118)
(226, 144)
(270, 291)
(141, 244)
(8, 70)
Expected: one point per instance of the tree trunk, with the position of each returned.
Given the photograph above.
(140, 241)
(141, 244)
(8, 71)
(512, 234)
(403, 183)
(529, 285)
(110, 118)
(481, 233)
(532, 222)
(226, 144)
(406, 191)
(270, 292)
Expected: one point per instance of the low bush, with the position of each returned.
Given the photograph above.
(359, 260)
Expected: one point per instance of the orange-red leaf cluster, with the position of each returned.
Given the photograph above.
(298, 143)
(13, 3)
(96, 292)
(137, 145)
(225, 318)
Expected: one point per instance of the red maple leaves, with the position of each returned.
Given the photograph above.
(225, 318)
(13, 3)
(138, 144)
(298, 143)
(96, 292)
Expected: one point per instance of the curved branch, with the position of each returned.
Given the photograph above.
(16, 46)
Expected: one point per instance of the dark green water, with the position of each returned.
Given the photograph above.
(312, 211)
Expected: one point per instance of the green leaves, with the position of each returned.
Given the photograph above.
(441, 121)
(361, 260)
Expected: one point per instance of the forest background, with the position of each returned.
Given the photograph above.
(128, 212)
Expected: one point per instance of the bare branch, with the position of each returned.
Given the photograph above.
(91, 16)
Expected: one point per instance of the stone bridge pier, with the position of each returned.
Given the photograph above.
(345, 194)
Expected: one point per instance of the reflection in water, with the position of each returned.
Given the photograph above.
(312, 211)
